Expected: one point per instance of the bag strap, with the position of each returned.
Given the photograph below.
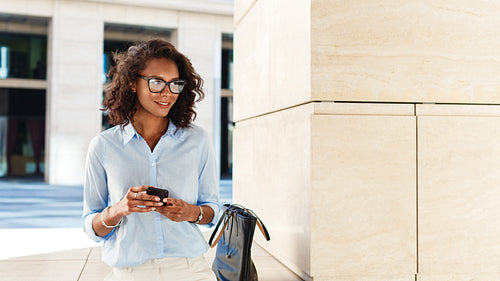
(227, 216)
(261, 225)
(224, 218)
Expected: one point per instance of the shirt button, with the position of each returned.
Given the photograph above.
(153, 164)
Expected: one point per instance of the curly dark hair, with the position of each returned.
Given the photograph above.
(121, 101)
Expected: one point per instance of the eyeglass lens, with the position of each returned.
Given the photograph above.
(157, 85)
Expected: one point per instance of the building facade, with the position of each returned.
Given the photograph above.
(373, 150)
(53, 58)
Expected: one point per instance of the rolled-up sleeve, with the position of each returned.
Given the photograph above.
(95, 192)
(208, 192)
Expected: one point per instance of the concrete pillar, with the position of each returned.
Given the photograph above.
(74, 88)
(199, 38)
(355, 177)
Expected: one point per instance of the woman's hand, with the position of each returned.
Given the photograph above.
(136, 196)
(178, 210)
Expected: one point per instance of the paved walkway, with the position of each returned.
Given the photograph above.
(41, 236)
(32, 203)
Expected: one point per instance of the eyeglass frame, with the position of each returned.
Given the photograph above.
(147, 79)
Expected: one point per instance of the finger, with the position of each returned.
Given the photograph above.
(145, 197)
(139, 188)
(170, 201)
(175, 214)
(142, 210)
(145, 203)
(170, 209)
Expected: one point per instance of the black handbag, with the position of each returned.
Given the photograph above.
(233, 259)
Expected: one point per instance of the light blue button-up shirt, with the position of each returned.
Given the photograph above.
(182, 162)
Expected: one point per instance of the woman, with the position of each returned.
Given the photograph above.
(151, 98)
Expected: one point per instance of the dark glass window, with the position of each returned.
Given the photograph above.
(227, 123)
(227, 69)
(227, 128)
(23, 56)
(110, 47)
(22, 132)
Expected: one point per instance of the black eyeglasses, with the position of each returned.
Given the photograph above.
(157, 85)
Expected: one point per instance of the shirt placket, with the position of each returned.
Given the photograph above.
(153, 170)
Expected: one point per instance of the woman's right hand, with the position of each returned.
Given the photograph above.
(136, 196)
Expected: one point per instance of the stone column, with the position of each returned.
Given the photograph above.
(199, 38)
(338, 150)
(74, 88)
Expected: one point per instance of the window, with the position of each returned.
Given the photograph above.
(4, 67)
(226, 118)
(227, 69)
(110, 46)
(23, 56)
(22, 132)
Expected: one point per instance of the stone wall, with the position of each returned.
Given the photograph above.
(367, 136)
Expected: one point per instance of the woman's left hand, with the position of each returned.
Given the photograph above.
(178, 210)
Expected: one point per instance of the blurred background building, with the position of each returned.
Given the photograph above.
(53, 58)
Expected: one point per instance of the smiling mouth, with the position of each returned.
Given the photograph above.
(163, 103)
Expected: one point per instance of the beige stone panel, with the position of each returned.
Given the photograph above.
(251, 65)
(241, 8)
(457, 110)
(341, 108)
(417, 25)
(41, 270)
(41, 8)
(73, 254)
(404, 79)
(137, 15)
(363, 196)
(94, 270)
(289, 54)
(272, 175)
(460, 277)
(272, 58)
(199, 38)
(226, 24)
(406, 51)
(76, 27)
(458, 195)
(366, 278)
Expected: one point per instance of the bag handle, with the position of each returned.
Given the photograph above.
(223, 218)
(261, 225)
(227, 216)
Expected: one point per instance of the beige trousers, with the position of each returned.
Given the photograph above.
(166, 269)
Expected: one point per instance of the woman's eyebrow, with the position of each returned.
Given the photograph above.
(159, 77)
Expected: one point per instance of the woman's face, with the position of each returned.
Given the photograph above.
(156, 105)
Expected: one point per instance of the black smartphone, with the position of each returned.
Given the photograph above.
(160, 192)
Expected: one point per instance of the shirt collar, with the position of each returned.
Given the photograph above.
(129, 132)
(173, 131)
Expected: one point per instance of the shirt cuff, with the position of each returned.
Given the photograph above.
(89, 229)
(216, 208)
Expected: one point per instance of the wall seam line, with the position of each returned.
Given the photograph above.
(275, 111)
(246, 13)
(416, 193)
